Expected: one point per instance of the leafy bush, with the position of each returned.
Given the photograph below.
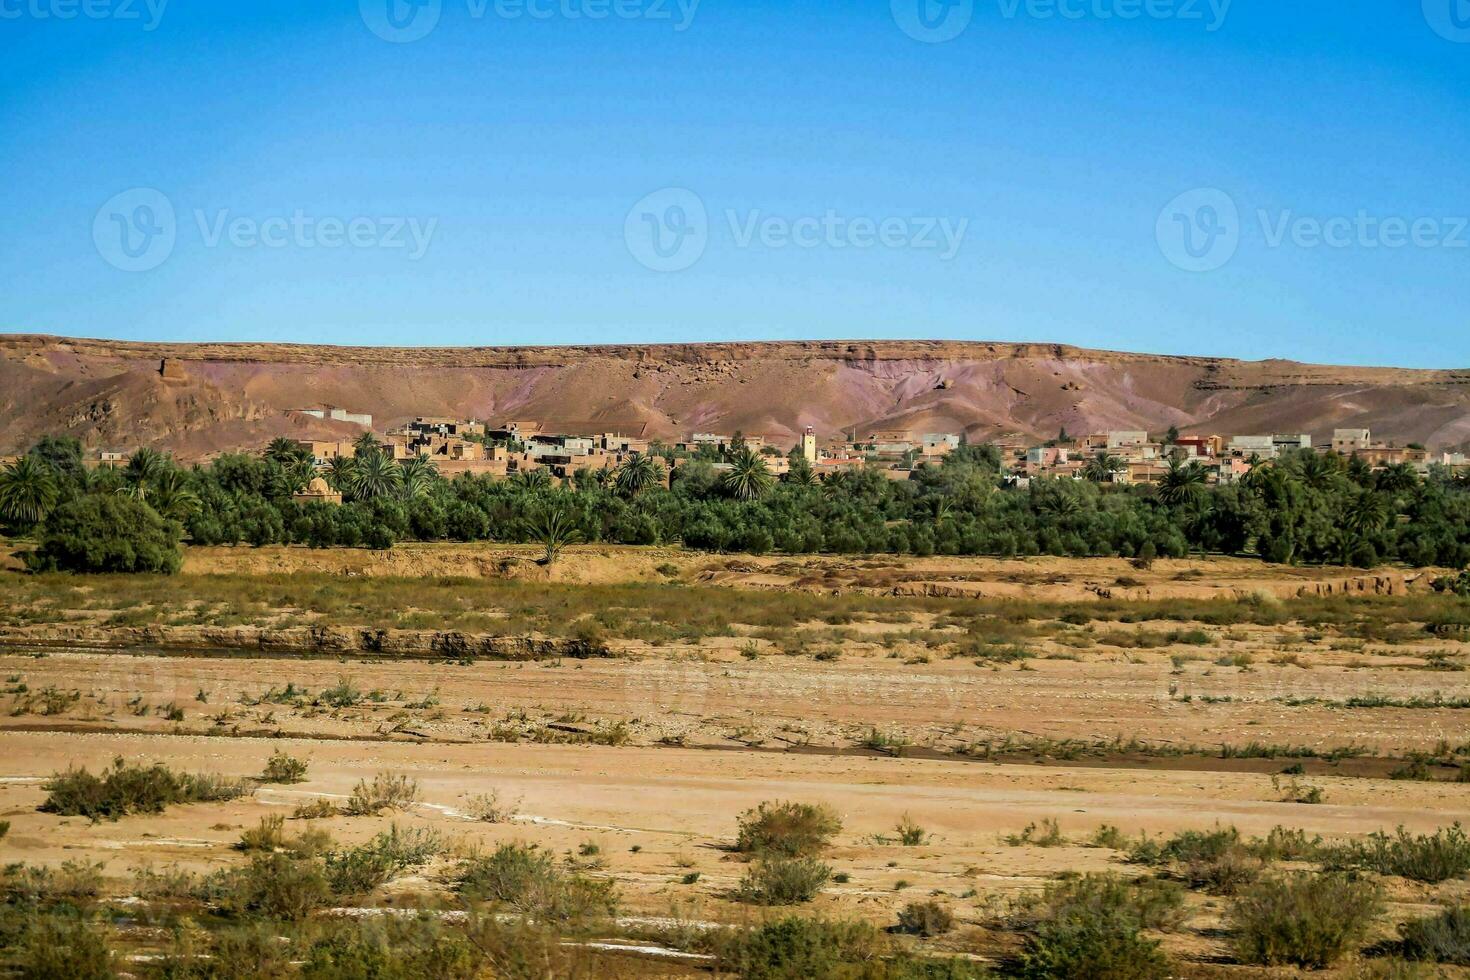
(784, 881)
(925, 919)
(797, 949)
(282, 768)
(359, 870)
(787, 829)
(268, 835)
(1430, 858)
(1090, 929)
(314, 810)
(277, 885)
(527, 880)
(385, 792)
(1442, 938)
(125, 789)
(910, 834)
(1303, 920)
(72, 882)
(63, 945)
(107, 533)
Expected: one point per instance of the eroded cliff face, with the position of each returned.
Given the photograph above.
(202, 398)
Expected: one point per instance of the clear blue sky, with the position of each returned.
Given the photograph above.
(520, 145)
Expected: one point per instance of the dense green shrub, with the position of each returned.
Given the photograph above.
(1442, 938)
(1429, 858)
(1305, 920)
(282, 768)
(527, 880)
(926, 919)
(779, 880)
(124, 789)
(107, 533)
(787, 829)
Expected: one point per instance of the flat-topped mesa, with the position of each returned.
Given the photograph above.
(700, 353)
(201, 399)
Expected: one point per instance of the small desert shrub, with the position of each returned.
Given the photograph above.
(386, 792)
(268, 835)
(798, 949)
(787, 829)
(124, 789)
(910, 834)
(525, 879)
(1108, 836)
(1047, 834)
(1430, 858)
(73, 881)
(1303, 920)
(784, 881)
(64, 945)
(274, 886)
(1091, 929)
(1282, 844)
(926, 919)
(359, 870)
(282, 768)
(1147, 902)
(1443, 938)
(315, 810)
(489, 808)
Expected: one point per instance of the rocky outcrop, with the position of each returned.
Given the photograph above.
(305, 641)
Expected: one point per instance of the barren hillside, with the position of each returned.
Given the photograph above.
(222, 396)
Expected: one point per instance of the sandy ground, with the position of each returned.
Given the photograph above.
(710, 729)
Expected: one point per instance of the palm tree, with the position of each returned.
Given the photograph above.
(172, 497)
(340, 473)
(1398, 478)
(419, 474)
(366, 445)
(291, 477)
(638, 473)
(749, 477)
(27, 491)
(1100, 468)
(142, 471)
(553, 529)
(285, 451)
(375, 475)
(1364, 515)
(532, 480)
(1182, 483)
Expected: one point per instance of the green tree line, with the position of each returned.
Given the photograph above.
(1304, 507)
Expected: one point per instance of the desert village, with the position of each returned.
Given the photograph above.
(1127, 457)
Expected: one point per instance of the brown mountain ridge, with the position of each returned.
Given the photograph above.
(196, 399)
